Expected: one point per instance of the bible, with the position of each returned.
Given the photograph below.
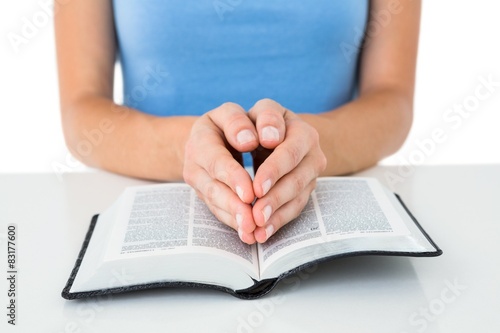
(164, 236)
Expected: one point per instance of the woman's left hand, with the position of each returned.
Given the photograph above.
(288, 170)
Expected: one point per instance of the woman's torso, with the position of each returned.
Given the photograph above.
(187, 57)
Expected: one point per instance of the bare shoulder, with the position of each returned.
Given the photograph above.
(389, 53)
(86, 47)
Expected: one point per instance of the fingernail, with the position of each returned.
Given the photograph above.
(266, 186)
(245, 136)
(270, 133)
(239, 220)
(269, 230)
(240, 233)
(239, 191)
(267, 213)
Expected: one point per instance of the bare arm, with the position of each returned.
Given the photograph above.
(97, 131)
(375, 125)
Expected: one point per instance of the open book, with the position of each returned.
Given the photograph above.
(163, 236)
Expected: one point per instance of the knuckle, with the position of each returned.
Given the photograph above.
(210, 191)
(187, 176)
(223, 172)
(274, 173)
(294, 153)
(226, 169)
(320, 160)
(233, 169)
(313, 135)
(229, 105)
(218, 214)
(220, 173)
(272, 117)
(284, 216)
(198, 194)
(323, 162)
(190, 175)
(293, 208)
(274, 200)
(299, 183)
(211, 167)
(277, 219)
(312, 186)
(221, 176)
(301, 202)
(214, 211)
(236, 121)
(264, 102)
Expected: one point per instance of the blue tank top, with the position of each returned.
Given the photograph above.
(183, 57)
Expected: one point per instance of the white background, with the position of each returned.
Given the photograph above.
(459, 43)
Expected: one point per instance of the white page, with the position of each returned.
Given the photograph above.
(168, 219)
(339, 208)
(356, 206)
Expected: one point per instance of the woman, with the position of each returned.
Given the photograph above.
(328, 87)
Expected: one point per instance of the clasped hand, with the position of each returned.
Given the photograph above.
(286, 150)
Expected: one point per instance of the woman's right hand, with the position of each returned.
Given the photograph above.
(213, 166)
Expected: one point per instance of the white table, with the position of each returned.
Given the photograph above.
(459, 206)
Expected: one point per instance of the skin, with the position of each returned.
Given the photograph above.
(204, 150)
